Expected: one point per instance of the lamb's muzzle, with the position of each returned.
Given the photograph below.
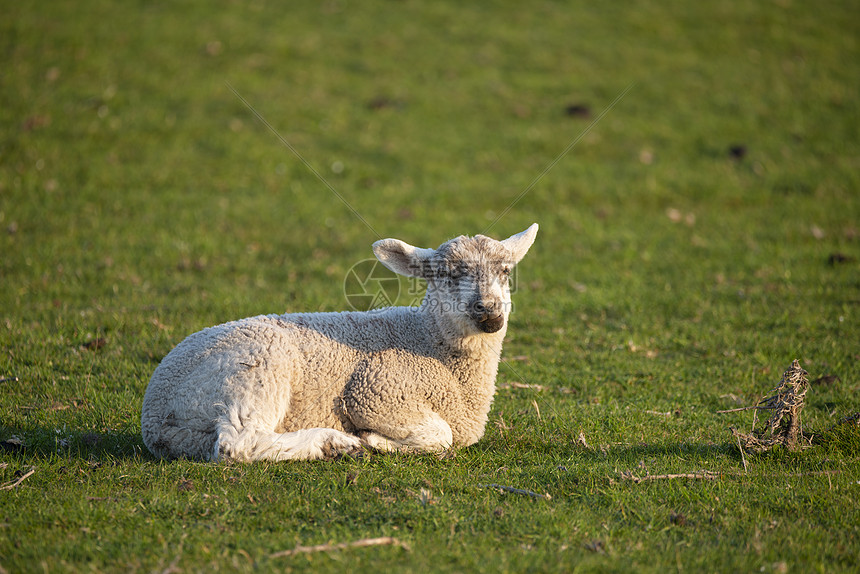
(489, 324)
(488, 316)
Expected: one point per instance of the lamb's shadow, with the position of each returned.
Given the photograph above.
(34, 442)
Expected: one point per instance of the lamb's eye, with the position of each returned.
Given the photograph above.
(448, 274)
(506, 271)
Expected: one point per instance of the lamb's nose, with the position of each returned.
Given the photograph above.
(485, 308)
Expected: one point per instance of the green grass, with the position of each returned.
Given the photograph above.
(141, 200)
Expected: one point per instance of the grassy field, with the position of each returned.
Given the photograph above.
(701, 233)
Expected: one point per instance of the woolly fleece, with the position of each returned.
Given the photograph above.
(309, 385)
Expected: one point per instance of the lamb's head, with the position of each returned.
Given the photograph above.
(467, 278)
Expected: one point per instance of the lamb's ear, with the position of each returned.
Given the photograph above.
(402, 258)
(519, 244)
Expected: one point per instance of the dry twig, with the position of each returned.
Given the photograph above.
(383, 541)
(537, 409)
(783, 426)
(12, 485)
(710, 475)
(704, 475)
(516, 385)
(743, 456)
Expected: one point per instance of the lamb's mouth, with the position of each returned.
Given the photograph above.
(489, 324)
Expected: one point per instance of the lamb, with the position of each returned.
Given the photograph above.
(313, 385)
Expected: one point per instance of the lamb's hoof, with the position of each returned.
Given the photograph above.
(341, 445)
(357, 453)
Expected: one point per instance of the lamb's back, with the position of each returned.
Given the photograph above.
(303, 360)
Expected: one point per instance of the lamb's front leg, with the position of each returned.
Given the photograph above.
(387, 399)
(430, 434)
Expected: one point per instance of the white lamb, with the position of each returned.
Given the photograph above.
(311, 385)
